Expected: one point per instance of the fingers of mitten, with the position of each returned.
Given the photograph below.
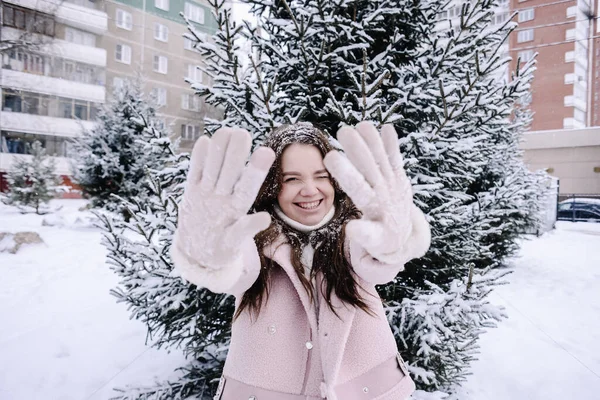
(214, 160)
(236, 155)
(253, 176)
(351, 181)
(392, 147)
(197, 160)
(247, 227)
(371, 136)
(360, 155)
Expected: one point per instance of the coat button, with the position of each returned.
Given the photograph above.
(272, 329)
(366, 389)
(309, 345)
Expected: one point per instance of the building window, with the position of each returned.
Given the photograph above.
(20, 143)
(526, 15)
(79, 37)
(190, 102)
(19, 60)
(26, 19)
(161, 32)
(526, 55)
(124, 19)
(190, 132)
(442, 16)
(123, 53)
(160, 96)
(194, 73)
(525, 36)
(53, 106)
(501, 18)
(455, 11)
(12, 101)
(160, 64)
(162, 4)
(194, 13)
(188, 43)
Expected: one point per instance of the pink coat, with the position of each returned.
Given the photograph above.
(286, 353)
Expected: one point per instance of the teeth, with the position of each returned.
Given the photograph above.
(310, 206)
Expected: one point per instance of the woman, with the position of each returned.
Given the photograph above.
(322, 231)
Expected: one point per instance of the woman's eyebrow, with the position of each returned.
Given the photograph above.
(321, 171)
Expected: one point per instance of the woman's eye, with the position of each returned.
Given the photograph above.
(323, 177)
(290, 179)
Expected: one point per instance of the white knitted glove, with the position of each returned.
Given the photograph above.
(373, 176)
(214, 228)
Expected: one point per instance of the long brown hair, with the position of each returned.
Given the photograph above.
(328, 241)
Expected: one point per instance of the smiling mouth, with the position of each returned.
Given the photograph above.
(309, 205)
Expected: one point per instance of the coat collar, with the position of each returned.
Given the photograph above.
(333, 330)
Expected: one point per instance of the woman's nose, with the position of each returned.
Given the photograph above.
(309, 189)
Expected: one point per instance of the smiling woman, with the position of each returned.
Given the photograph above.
(307, 193)
(301, 236)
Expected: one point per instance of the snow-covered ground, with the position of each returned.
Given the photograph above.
(62, 336)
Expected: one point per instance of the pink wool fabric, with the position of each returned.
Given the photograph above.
(287, 350)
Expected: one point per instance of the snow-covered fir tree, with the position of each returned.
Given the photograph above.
(455, 108)
(32, 181)
(108, 160)
(175, 313)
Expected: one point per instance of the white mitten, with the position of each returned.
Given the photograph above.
(214, 237)
(392, 230)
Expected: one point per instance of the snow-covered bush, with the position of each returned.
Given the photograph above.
(109, 160)
(32, 181)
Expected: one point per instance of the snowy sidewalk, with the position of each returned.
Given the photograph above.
(549, 348)
(62, 336)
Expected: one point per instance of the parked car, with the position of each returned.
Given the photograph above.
(579, 209)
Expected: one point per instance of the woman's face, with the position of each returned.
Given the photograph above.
(306, 194)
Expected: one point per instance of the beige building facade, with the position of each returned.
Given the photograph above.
(146, 39)
(571, 155)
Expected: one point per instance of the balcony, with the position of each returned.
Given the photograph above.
(61, 48)
(76, 14)
(83, 18)
(40, 124)
(52, 86)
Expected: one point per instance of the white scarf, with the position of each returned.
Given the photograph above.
(301, 227)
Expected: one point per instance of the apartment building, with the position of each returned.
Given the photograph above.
(146, 38)
(52, 89)
(559, 31)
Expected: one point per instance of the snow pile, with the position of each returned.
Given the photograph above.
(12, 242)
(69, 219)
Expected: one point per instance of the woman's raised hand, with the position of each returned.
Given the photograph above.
(221, 187)
(373, 176)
